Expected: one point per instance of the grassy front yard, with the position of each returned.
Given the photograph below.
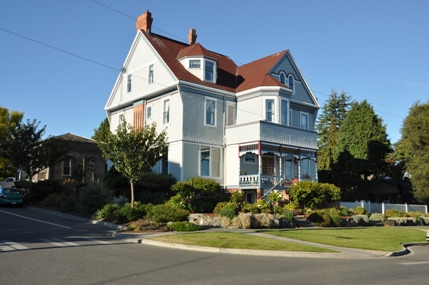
(372, 238)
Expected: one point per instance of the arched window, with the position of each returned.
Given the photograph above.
(291, 82)
(282, 78)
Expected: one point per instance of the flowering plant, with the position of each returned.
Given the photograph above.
(275, 196)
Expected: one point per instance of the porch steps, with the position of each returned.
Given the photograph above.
(302, 222)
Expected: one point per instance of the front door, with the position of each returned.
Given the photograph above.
(268, 165)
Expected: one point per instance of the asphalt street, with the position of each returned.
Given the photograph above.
(40, 248)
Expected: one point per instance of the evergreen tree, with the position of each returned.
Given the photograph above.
(364, 136)
(328, 125)
(414, 149)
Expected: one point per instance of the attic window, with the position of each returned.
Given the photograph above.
(195, 63)
(209, 70)
(282, 78)
(291, 82)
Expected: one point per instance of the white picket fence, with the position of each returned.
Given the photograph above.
(382, 207)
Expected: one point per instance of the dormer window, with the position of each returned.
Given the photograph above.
(209, 70)
(195, 63)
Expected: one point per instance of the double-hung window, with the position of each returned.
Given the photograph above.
(129, 83)
(166, 112)
(269, 110)
(210, 112)
(209, 72)
(304, 121)
(209, 161)
(284, 112)
(150, 74)
(149, 112)
(230, 120)
(67, 167)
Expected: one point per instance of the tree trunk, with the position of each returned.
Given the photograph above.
(132, 195)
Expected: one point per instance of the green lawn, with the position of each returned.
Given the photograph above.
(373, 238)
(237, 240)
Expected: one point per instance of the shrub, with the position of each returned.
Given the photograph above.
(377, 217)
(313, 194)
(320, 218)
(94, 196)
(359, 210)
(165, 213)
(361, 220)
(336, 220)
(288, 215)
(225, 205)
(199, 194)
(226, 212)
(392, 213)
(69, 204)
(53, 200)
(343, 211)
(42, 189)
(184, 226)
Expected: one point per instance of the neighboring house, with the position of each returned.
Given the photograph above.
(84, 162)
(247, 127)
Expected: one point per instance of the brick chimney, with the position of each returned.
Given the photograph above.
(144, 22)
(192, 37)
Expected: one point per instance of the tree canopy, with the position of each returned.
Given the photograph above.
(8, 121)
(334, 112)
(26, 149)
(413, 148)
(133, 151)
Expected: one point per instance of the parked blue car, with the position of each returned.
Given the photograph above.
(10, 196)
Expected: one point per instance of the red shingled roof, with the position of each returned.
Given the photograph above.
(230, 77)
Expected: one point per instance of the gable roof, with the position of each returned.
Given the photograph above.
(256, 73)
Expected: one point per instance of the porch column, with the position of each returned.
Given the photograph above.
(299, 169)
(239, 166)
(281, 167)
(317, 177)
(259, 164)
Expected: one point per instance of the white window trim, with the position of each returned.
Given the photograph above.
(70, 166)
(214, 70)
(129, 83)
(150, 80)
(215, 111)
(189, 64)
(210, 161)
(234, 115)
(308, 120)
(287, 112)
(163, 111)
(274, 109)
(149, 115)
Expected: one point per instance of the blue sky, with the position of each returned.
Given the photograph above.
(59, 59)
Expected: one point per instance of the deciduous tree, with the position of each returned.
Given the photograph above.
(25, 147)
(133, 151)
(8, 120)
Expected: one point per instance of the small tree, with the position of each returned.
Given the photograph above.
(133, 151)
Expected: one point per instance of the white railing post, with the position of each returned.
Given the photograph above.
(426, 208)
(406, 208)
(382, 208)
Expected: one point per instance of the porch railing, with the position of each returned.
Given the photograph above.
(258, 181)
